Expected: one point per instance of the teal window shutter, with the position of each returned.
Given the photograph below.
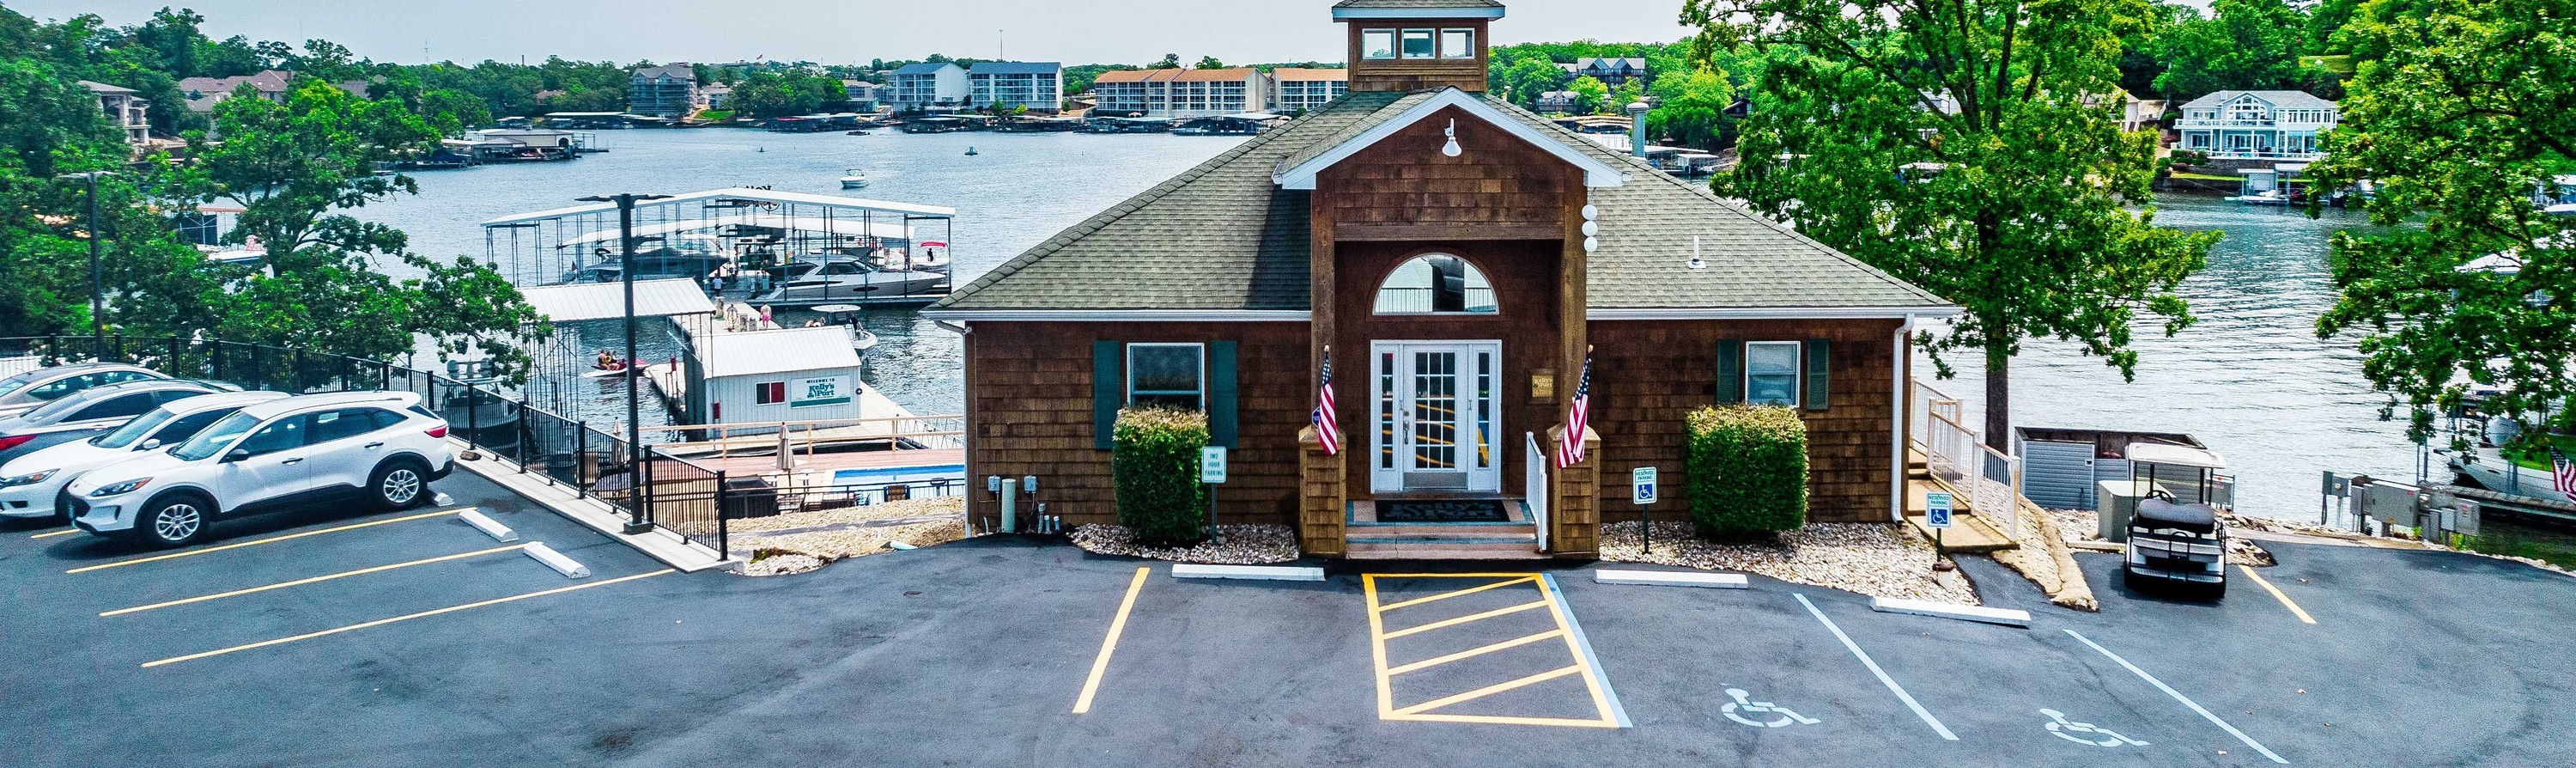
(1730, 371)
(1820, 359)
(1108, 391)
(1221, 393)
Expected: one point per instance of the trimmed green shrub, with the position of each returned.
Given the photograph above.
(1154, 460)
(1746, 466)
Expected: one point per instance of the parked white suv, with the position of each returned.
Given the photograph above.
(381, 446)
(28, 483)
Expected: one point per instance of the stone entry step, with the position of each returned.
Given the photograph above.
(1443, 550)
(1368, 539)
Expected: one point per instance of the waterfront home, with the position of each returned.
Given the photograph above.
(1180, 93)
(1037, 86)
(1457, 257)
(1297, 89)
(127, 108)
(1611, 72)
(203, 93)
(670, 90)
(914, 87)
(2270, 125)
(1558, 102)
(864, 96)
(715, 94)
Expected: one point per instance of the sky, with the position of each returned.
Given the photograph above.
(845, 31)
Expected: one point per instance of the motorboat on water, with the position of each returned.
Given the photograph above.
(2268, 197)
(854, 179)
(690, 255)
(842, 279)
(850, 315)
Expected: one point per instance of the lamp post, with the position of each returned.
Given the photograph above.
(97, 274)
(638, 520)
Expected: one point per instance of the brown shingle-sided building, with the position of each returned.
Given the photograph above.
(1457, 256)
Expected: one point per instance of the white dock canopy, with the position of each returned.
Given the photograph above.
(745, 194)
(888, 230)
(578, 302)
(2175, 455)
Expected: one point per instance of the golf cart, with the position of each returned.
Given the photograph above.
(2176, 541)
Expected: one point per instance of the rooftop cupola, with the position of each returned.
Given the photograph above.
(1413, 45)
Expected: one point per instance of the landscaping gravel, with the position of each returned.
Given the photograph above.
(1873, 559)
(1225, 545)
(804, 541)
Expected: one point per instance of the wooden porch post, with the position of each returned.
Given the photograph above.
(1319, 498)
(1575, 511)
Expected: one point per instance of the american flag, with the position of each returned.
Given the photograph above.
(1569, 451)
(1327, 431)
(2563, 473)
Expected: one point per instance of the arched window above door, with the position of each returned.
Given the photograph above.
(1436, 284)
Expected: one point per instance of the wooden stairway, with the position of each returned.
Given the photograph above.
(1368, 539)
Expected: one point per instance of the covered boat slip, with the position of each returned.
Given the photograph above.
(795, 247)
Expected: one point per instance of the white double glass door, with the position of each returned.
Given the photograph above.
(1436, 411)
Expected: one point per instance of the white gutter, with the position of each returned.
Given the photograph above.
(1121, 315)
(1903, 421)
(1345, 14)
(1772, 313)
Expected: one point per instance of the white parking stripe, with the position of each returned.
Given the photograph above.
(1901, 695)
(2177, 695)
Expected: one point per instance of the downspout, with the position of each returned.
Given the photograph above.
(1903, 421)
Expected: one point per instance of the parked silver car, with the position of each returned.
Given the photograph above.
(23, 392)
(94, 410)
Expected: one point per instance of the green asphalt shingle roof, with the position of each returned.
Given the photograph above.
(1222, 236)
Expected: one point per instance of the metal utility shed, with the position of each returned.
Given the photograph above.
(793, 374)
(2061, 466)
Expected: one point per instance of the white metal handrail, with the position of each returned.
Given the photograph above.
(1534, 487)
(1959, 456)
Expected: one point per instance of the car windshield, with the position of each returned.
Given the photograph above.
(47, 411)
(216, 437)
(18, 382)
(134, 430)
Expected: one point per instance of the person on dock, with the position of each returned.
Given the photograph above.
(717, 282)
(764, 314)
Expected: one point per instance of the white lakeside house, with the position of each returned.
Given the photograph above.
(2248, 125)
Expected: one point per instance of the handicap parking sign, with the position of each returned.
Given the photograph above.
(1641, 484)
(1936, 510)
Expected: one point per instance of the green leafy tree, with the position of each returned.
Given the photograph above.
(1523, 77)
(1589, 95)
(1692, 108)
(2470, 107)
(1629, 93)
(2247, 45)
(450, 111)
(1210, 62)
(1170, 61)
(2010, 197)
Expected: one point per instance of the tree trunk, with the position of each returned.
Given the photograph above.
(1999, 396)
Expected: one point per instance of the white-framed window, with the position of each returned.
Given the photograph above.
(1771, 372)
(1167, 375)
(1377, 43)
(1418, 44)
(1457, 43)
(1436, 284)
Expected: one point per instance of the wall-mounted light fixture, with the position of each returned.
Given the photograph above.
(1451, 149)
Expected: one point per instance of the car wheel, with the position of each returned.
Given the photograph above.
(399, 484)
(176, 521)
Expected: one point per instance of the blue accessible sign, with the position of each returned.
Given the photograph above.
(1936, 510)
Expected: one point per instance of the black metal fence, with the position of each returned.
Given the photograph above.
(678, 495)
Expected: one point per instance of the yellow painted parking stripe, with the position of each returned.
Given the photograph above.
(1570, 669)
(404, 617)
(2276, 593)
(1566, 722)
(1117, 626)
(1475, 652)
(316, 579)
(51, 534)
(1377, 648)
(256, 542)
(1532, 605)
(1467, 591)
(1582, 657)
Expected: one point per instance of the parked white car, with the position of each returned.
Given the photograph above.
(23, 392)
(380, 446)
(28, 483)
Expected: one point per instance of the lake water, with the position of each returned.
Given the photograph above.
(2251, 379)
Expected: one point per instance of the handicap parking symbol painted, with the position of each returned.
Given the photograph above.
(2085, 733)
(1778, 716)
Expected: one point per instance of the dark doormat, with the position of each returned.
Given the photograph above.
(1443, 511)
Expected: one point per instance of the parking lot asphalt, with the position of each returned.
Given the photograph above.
(976, 653)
